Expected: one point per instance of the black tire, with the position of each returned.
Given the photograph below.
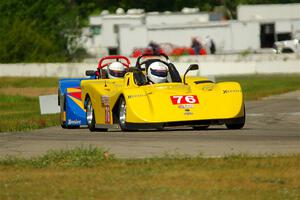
(62, 109)
(203, 127)
(63, 125)
(237, 123)
(90, 118)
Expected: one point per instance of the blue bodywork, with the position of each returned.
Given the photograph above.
(72, 113)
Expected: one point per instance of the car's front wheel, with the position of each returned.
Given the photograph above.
(237, 123)
(122, 115)
(90, 117)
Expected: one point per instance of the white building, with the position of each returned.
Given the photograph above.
(257, 27)
(276, 22)
(102, 36)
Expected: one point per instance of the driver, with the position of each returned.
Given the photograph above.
(157, 72)
(116, 70)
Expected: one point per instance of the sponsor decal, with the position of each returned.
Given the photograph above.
(74, 122)
(186, 106)
(76, 95)
(105, 100)
(74, 92)
(136, 95)
(188, 113)
(107, 115)
(208, 88)
(77, 102)
(230, 91)
(184, 99)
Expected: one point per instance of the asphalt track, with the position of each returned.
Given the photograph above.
(272, 127)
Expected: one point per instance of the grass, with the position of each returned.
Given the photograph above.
(18, 113)
(23, 82)
(84, 173)
(258, 86)
(78, 157)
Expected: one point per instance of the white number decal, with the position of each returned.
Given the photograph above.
(182, 99)
(178, 99)
(190, 99)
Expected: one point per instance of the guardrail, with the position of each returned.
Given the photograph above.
(208, 65)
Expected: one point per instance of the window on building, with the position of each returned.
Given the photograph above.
(284, 36)
(96, 30)
(116, 28)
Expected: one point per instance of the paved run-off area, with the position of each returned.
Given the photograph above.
(272, 127)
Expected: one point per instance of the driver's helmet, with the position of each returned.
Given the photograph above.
(157, 72)
(116, 70)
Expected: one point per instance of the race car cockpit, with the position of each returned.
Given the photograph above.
(143, 68)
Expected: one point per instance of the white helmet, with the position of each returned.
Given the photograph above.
(116, 70)
(157, 72)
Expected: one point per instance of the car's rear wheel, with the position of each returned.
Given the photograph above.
(237, 123)
(63, 125)
(90, 117)
(62, 110)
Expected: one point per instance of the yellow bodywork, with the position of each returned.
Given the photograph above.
(153, 104)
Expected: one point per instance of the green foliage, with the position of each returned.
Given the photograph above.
(37, 31)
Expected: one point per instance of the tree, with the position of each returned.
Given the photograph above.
(38, 31)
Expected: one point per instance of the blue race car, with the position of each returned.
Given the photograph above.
(72, 111)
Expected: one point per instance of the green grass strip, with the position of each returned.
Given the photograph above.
(20, 113)
(259, 86)
(21, 82)
(84, 173)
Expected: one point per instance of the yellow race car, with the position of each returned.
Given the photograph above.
(133, 103)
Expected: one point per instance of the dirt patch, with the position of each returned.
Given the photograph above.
(28, 91)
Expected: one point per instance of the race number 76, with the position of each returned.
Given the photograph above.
(184, 99)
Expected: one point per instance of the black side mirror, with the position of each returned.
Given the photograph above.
(90, 73)
(191, 67)
(139, 78)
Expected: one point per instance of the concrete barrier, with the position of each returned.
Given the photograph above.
(209, 65)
